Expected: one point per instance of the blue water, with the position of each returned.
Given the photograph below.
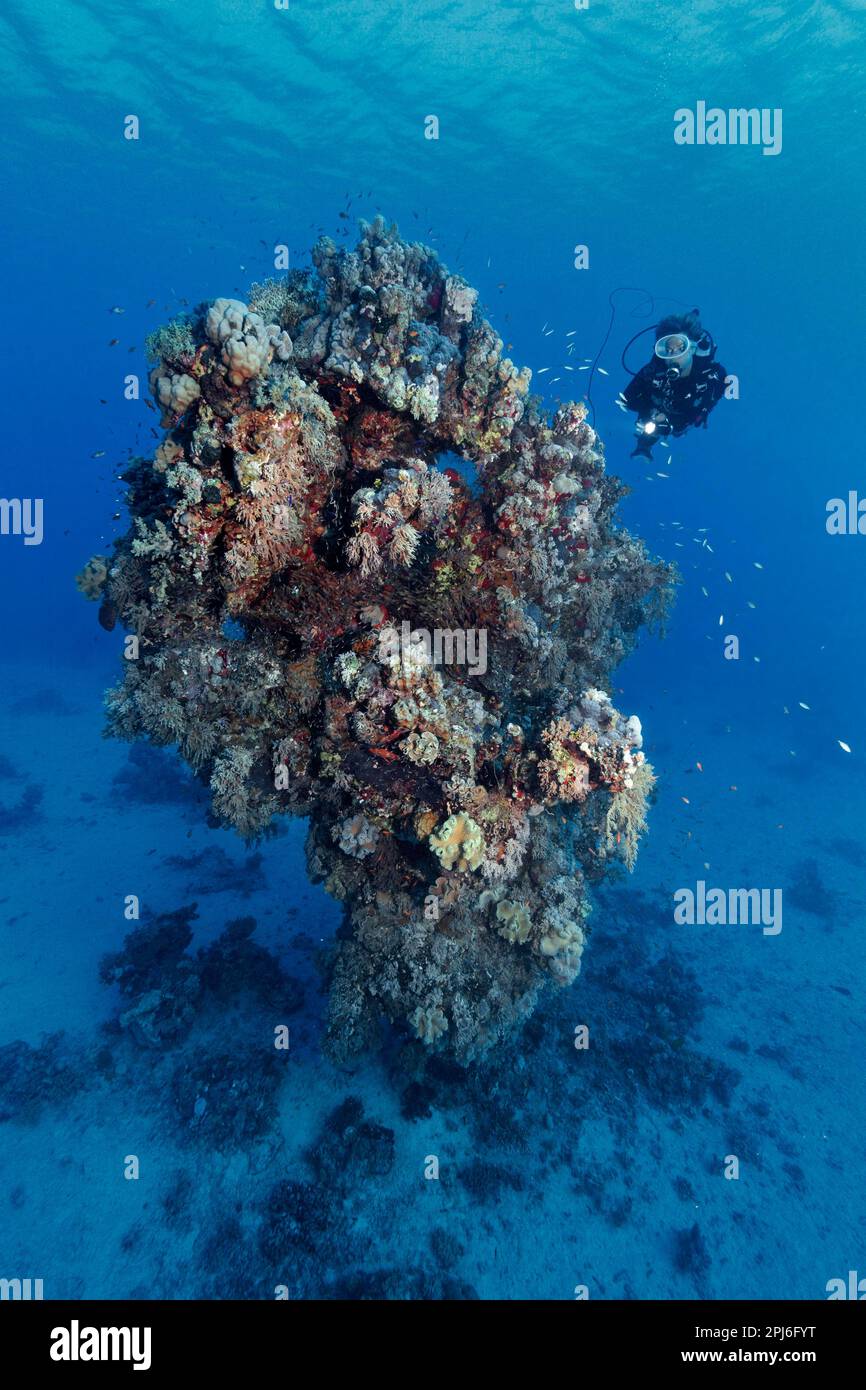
(603, 1169)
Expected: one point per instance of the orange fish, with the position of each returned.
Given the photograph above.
(385, 753)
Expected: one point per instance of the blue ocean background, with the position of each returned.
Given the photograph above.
(262, 126)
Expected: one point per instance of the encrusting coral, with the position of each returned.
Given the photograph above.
(300, 513)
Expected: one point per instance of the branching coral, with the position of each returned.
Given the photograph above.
(296, 518)
(625, 819)
(390, 519)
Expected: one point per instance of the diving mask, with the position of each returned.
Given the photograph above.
(677, 349)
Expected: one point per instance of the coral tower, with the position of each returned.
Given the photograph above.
(301, 510)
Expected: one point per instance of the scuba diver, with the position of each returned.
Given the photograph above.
(679, 386)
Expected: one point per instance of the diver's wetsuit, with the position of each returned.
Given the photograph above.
(683, 401)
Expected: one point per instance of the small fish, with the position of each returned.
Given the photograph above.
(571, 333)
(721, 619)
(749, 603)
(757, 564)
(732, 788)
(602, 372)
(542, 370)
(663, 475)
(704, 592)
(114, 342)
(844, 746)
(686, 800)
(699, 767)
(728, 577)
(583, 369)
(756, 658)
(116, 309)
(802, 706)
(100, 454)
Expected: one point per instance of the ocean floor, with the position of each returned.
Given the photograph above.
(266, 1172)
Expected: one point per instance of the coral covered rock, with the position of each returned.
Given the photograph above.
(336, 623)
